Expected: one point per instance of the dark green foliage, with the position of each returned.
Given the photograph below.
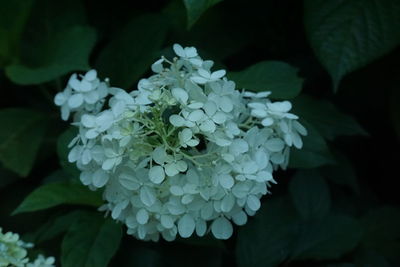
(336, 206)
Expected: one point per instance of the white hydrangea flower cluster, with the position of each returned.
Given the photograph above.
(186, 152)
(13, 253)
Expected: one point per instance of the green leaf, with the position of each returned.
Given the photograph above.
(90, 241)
(56, 226)
(341, 173)
(13, 17)
(348, 34)
(63, 151)
(22, 132)
(382, 232)
(266, 239)
(54, 194)
(132, 50)
(70, 52)
(314, 153)
(370, 258)
(310, 194)
(278, 77)
(329, 238)
(195, 8)
(326, 118)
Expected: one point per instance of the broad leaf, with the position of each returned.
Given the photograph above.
(310, 194)
(314, 153)
(13, 16)
(21, 133)
(278, 77)
(348, 34)
(266, 239)
(54, 194)
(195, 8)
(132, 50)
(341, 173)
(70, 52)
(90, 241)
(326, 118)
(329, 238)
(56, 226)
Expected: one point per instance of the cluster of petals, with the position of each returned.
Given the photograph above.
(186, 153)
(13, 252)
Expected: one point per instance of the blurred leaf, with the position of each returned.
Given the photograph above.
(310, 194)
(370, 258)
(63, 151)
(90, 241)
(347, 35)
(195, 8)
(328, 238)
(325, 117)
(21, 134)
(340, 265)
(70, 50)
(56, 226)
(341, 173)
(132, 50)
(13, 16)
(382, 231)
(278, 77)
(314, 153)
(54, 194)
(266, 239)
(7, 177)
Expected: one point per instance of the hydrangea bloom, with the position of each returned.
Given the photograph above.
(13, 252)
(186, 152)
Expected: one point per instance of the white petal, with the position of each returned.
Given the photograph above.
(201, 227)
(275, 144)
(196, 115)
(185, 135)
(226, 104)
(210, 108)
(142, 216)
(226, 181)
(207, 126)
(91, 97)
(219, 117)
(240, 218)
(176, 120)
(198, 79)
(119, 208)
(159, 155)
(190, 52)
(222, 228)
(253, 202)
(88, 121)
(167, 221)
(178, 49)
(218, 74)
(100, 178)
(91, 75)
(108, 164)
(60, 99)
(186, 226)
(85, 86)
(267, 122)
(180, 95)
(176, 190)
(147, 195)
(156, 174)
(171, 169)
(195, 105)
(227, 203)
(75, 101)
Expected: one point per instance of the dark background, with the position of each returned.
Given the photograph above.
(236, 34)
